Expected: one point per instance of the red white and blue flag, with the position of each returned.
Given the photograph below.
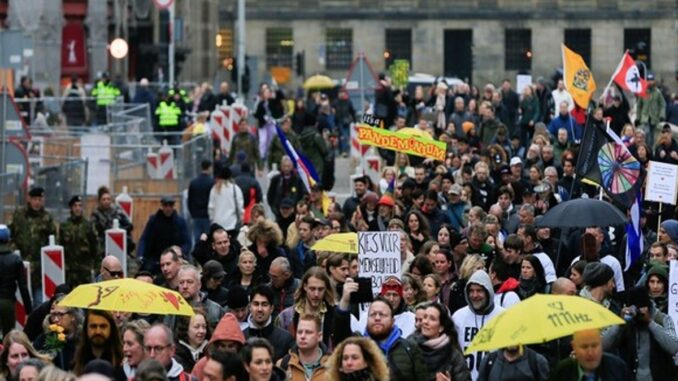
(634, 235)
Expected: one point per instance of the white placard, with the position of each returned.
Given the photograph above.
(662, 182)
(522, 81)
(379, 256)
(96, 148)
(28, 53)
(673, 292)
(15, 58)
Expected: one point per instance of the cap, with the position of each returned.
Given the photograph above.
(286, 202)
(37, 192)
(322, 222)
(516, 160)
(165, 200)
(5, 234)
(73, 200)
(505, 170)
(237, 298)
(213, 269)
(386, 201)
(455, 189)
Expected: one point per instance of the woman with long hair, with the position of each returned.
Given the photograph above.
(193, 334)
(226, 203)
(532, 279)
(417, 227)
(244, 275)
(133, 346)
(266, 238)
(413, 292)
(437, 340)
(337, 267)
(357, 359)
(16, 348)
(70, 320)
(576, 274)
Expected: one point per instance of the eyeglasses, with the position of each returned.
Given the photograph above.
(156, 349)
(114, 274)
(57, 314)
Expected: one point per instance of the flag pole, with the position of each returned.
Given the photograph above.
(659, 220)
(614, 74)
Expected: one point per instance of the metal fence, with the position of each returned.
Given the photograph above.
(61, 182)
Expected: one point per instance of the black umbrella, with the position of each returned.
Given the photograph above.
(582, 213)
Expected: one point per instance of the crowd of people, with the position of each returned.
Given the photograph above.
(270, 307)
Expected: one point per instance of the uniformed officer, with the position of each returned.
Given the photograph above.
(31, 226)
(169, 119)
(105, 94)
(79, 239)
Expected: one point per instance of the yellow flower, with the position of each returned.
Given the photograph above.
(60, 329)
(61, 337)
(53, 327)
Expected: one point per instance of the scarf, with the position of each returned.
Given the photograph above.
(196, 353)
(358, 375)
(437, 343)
(528, 287)
(385, 345)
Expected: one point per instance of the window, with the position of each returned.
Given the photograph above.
(638, 41)
(279, 47)
(398, 46)
(579, 40)
(339, 49)
(518, 49)
(224, 42)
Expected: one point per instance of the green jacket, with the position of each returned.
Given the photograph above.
(244, 143)
(30, 232)
(79, 239)
(529, 108)
(314, 148)
(652, 109)
(276, 150)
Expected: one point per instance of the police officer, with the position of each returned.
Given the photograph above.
(79, 239)
(12, 275)
(169, 119)
(32, 225)
(105, 94)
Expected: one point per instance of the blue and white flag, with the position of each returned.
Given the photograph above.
(634, 235)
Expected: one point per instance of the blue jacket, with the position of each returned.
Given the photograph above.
(574, 130)
(199, 194)
(162, 232)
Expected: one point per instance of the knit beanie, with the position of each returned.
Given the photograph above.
(660, 270)
(237, 298)
(392, 284)
(597, 274)
(671, 228)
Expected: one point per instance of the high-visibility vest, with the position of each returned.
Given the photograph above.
(105, 93)
(168, 114)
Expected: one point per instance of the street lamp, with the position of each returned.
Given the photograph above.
(119, 48)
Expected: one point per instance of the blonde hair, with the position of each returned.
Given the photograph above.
(469, 265)
(371, 353)
(246, 252)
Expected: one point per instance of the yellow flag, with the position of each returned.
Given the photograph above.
(577, 77)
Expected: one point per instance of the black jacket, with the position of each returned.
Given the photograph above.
(203, 252)
(12, 275)
(281, 340)
(199, 194)
(611, 368)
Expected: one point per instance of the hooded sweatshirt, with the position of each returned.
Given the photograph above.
(468, 321)
(227, 329)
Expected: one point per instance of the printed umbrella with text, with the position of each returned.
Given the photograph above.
(128, 295)
(539, 319)
(338, 243)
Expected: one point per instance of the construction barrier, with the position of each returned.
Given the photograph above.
(53, 269)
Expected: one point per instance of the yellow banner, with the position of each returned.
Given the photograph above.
(577, 77)
(415, 145)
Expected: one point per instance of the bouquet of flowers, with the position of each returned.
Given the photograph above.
(56, 338)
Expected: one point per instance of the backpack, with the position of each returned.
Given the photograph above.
(531, 360)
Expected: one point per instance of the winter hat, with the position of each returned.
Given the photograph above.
(597, 274)
(213, 269)
(392, 284)
(5, 236)
(671, 228)
(237, 298)
(386, 201)
(661, 271)
(228, 328)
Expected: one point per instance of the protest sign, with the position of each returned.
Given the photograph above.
(415, 145)
(662, 182)
(673, 292)
(379, 256)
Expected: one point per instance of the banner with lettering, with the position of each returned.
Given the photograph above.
(673, 293)
(379, 256)
(396, 141)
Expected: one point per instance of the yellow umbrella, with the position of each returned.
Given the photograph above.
(539, 319)
(318, 82)
(338, 243)
(415, 132)
(128, 295)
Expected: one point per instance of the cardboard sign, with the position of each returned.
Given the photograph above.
(673, 292)
(414, 145)
(662, 182)
(379, 256)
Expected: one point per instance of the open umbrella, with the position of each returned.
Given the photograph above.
(582, 213)
(128, 295)
(415, 132)
(542, 318)
(318, 82)
(338, 243)
(619, 170)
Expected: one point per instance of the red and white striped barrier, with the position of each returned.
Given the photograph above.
(166, 163)
(19, 305)
(218, 122)
(357, 150)
(125, 202)
(116, 244)
(152, 165)
(373, 167)
(53, 269)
